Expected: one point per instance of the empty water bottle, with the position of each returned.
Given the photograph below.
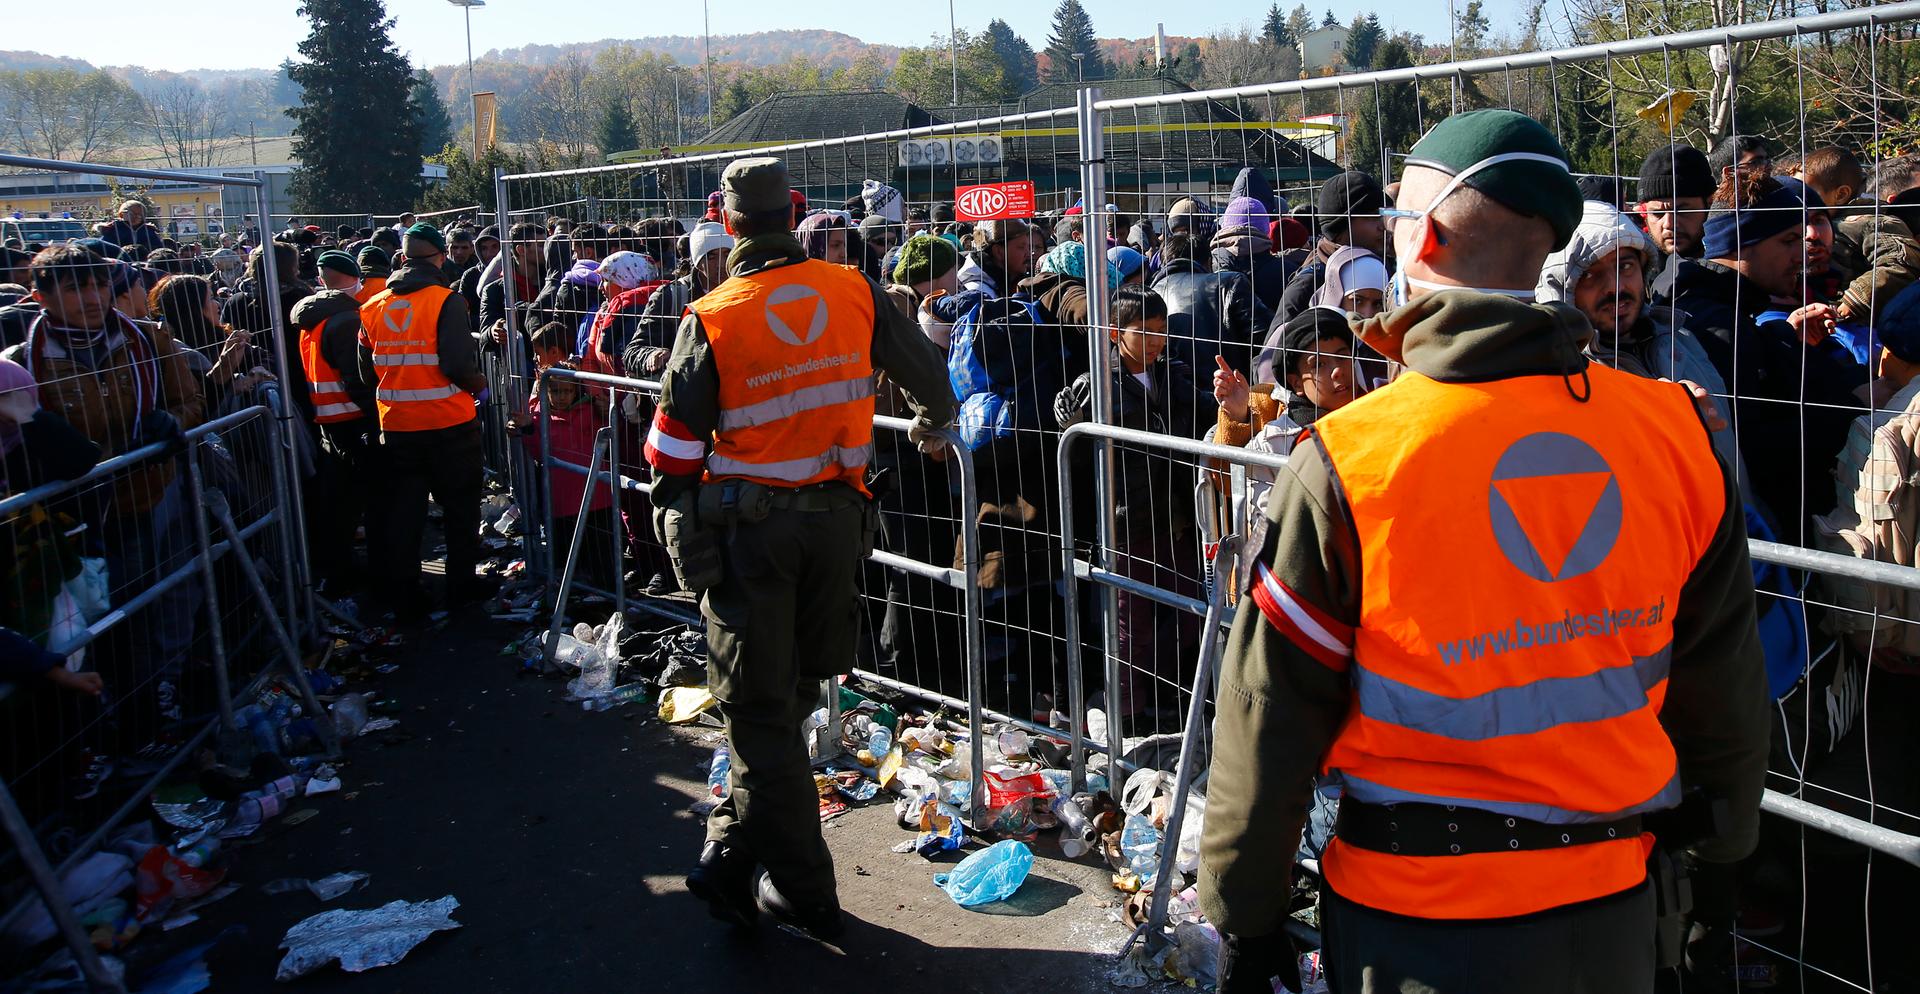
(1076, 832)
(880, 742)
(1140, 844)
(350, 714)
(719, 772)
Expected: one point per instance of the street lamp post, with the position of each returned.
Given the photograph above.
(1080, 65)
(706, 48)
(953, 42)
(466, 7)
(679, 133)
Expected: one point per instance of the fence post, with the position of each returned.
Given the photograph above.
(1093, 197)
(293, 523)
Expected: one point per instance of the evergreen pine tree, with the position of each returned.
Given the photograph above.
(1330, 21)
(1275, 30)
(430, 114)
(615, 130)
(1363, 39)
(1388, 119)
(1073, 33)
(356, 140)
(1470, 34)
(1300, 21)
(1017, 61)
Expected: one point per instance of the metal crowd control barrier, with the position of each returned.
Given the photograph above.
(210, 508)
(602, 468)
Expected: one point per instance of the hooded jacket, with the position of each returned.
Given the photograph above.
(1789, 448)
(1658, 345)
(1280, 708)
(1874, 248)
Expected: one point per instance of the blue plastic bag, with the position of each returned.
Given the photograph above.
(992, 874)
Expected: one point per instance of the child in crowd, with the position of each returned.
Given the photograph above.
(574, 418)
(1153, 541)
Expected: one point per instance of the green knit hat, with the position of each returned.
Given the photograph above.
(1535, 182)
(339, 262)
(925, 257)
(424, 232)
(374, 261)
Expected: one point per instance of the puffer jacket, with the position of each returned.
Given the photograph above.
(101, 400)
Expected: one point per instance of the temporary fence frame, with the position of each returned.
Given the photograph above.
(209, 510)
(388, 220)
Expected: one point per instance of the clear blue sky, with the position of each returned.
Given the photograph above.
(259, 33)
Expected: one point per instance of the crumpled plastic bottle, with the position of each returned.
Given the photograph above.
(350, 714)
(992, 874)
(1140, 844)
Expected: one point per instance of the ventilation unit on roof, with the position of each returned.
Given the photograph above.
(926, 152)
(976, 150)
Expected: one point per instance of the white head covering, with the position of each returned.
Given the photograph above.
(626, 270)
(705, 237)
(1350, 269)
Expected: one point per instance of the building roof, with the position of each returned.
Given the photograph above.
(802, 115)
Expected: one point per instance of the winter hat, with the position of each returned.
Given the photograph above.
(1350, 194)
(1898, 327)
(1511, 158)
(1245, 212)
(705, 237)
(13, 376)
(873, 225)
(713, 206)
(1675, 171)
(1184, 212)
(756, 185)
(799, 201)
(1349, 269)
(942, 213)
(1071, 260)
(882, 199)
(1603, 231)
(1126, 260)
(1304, 332)
(626, 270)
(422, 234)
(998, 232)
(490, 233)
(1730, 230)
(925, 257)
(1287, 233)
(339, 262)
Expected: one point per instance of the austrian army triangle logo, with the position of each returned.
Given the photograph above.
(796, 314)
(1555, 505)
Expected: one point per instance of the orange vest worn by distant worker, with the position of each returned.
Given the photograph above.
(1521, 556)
(792, 346)
(403, 332)
(324, 387)
(370, 286)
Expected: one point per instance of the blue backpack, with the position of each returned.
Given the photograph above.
(1005, 369)
(1783, 622)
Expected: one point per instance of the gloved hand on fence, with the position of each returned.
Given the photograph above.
(485, 394)
(1248, 965)
(1074, 404)
(156, 427)
(926, 435)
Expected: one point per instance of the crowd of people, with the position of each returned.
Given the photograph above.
(1781, 291)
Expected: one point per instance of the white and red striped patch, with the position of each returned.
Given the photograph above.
(1312, 630)
(671, 447)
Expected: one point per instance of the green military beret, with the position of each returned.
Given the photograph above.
(339, 262)
(427, 233)
(1534, 182)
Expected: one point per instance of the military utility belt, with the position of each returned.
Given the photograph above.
(818, 497)
(1454, 830)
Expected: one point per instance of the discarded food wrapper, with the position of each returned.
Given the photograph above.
(326, 888)
(992, 874)
(320, 786)
(379, 725)
(362, 940)
(191, 814)
(680, 705)
(940, 829)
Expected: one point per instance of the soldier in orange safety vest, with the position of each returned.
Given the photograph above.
(343, 409)
(760, 446)
(1504, 608)
(417, 348)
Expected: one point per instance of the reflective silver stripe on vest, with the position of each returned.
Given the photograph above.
(407, 359)
(331, 386)
(799, 401)
(430, 393)
(1525, 709)
(329, 410)
(792, 470)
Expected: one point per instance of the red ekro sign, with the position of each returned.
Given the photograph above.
(993, 201)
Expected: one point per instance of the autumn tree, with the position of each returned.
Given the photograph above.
(66, 114)
(925, 75)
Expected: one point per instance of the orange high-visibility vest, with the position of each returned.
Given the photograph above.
(1521, 557)
(370, 286)
(403, 332)
(792, 345)
(324, 387)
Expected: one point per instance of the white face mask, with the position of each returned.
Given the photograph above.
(1397, 292)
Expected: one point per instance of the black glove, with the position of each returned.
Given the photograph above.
(1248, 965)
(1074, 404)
(158, 426)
